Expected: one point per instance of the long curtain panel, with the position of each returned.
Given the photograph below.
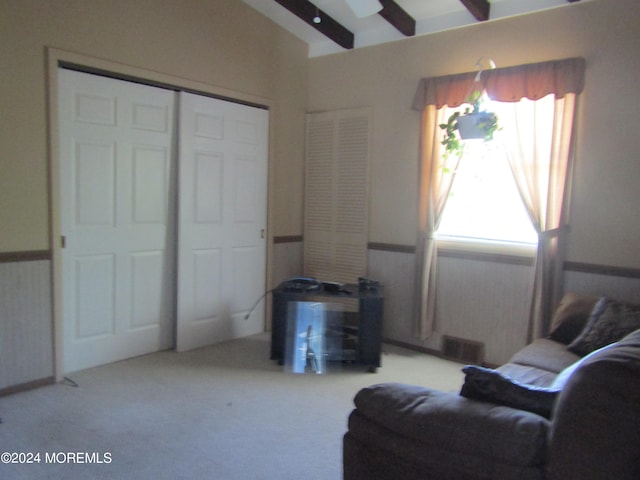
(562, 78)
(537, 141)
(436, 175)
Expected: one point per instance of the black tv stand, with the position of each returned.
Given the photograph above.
(364, 326)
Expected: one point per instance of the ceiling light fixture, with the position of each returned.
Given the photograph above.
(364, 8)
(317, 18)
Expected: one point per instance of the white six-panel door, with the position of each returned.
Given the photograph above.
(116, 149)
(222, 219)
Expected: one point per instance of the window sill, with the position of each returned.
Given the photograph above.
(487, 247)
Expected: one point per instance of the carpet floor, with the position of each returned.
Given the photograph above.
(224, 412)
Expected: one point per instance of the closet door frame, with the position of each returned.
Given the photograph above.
(55, 59)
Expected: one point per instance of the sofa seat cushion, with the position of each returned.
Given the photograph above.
(545, 354)
(451, 423)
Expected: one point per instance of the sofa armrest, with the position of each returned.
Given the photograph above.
(595, 432)
(455, 424)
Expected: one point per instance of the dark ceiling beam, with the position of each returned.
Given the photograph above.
(396, 16)
(478, 8)
(307, 11)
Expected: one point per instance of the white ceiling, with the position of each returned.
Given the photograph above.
(430, 15)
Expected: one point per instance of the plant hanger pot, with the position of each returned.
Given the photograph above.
(474, 125)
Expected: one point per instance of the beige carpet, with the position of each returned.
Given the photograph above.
(225, 412)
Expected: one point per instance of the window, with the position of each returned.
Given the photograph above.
(537, 139)
(484, 203)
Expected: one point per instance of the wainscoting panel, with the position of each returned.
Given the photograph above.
(396, 272)
(623, 288)
(26, 342)
(484, 301)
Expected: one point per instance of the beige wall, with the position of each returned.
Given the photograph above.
(225, 44)
(219, 43)
(605, 225)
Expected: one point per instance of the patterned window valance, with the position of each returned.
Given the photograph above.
(510, 84)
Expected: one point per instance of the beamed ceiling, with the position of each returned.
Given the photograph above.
(340, 29)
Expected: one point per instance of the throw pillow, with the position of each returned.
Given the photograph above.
(571, 316)
(610, 321)
(489, 385)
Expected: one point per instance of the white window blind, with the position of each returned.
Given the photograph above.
(337, 195)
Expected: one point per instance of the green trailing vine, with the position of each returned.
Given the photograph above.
(452, 142)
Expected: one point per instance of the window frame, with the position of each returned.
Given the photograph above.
(480, 244)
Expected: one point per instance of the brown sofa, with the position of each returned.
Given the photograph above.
(583, 383)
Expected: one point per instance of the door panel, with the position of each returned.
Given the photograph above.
(150, 193)
(222, 218)
(95, 301)
(94, 182)
(208, 188)
(116, 146)
(147, 289)
(207, 269)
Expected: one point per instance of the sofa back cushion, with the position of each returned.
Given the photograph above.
(571, 316)
(595, 432)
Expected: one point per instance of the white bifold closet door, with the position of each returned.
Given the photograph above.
(116, 150)
(128, 289)
(222, 220)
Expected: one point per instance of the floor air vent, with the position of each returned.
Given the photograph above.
(461, 350)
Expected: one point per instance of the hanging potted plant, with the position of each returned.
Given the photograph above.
(472, 123)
